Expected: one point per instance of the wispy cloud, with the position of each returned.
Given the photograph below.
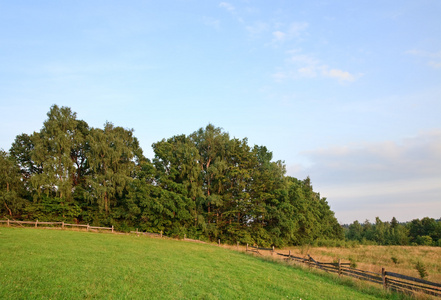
(291, 31)
(257, 29)
(300, 65)
(232, 10)
(296, 28)
(279, 36)
(380, 173)
(215, 23)
(227, 6)
(433, 59)
(412, 157)
(338, 74)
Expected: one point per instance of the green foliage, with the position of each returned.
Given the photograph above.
(204, 185)
(421, 268)
(424, 240)
(12, 192)
(426, 232)
(353, 263)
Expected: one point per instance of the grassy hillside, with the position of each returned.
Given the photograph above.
(56, 264)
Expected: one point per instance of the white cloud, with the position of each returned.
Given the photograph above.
(227, 6)
(280, 76)
(211, 22)
(279, 36)
(307, 66)
(291, 31)
(433, 59)
(308, 71)
(232, 10)
(296, 28)
(418, 156)
(257, 28)
(298, 58)
(338, 74)
(383, 174)
(434, 64)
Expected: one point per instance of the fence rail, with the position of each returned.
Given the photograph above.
(389, 280)
(63, 225)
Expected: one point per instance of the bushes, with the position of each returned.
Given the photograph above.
(424, 240)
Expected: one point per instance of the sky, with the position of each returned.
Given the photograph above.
(345, 92)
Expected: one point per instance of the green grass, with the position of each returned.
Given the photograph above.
(56, 264)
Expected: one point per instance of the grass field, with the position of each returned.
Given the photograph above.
(58, 264)
(398, 259)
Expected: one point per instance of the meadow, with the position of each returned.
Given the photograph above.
(398, 259)
(60, 264)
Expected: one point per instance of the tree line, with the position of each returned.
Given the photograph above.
(426, 232)
(205, 185)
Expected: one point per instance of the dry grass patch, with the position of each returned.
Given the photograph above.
(398, 259)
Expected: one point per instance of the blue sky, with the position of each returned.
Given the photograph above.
(347, 92)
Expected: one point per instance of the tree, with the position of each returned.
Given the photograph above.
(178, 172)
(11, 187)
(113, 158)
(49, 159)
(355, 231)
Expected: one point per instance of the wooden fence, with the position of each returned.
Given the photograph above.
(389, 280)
(59, 224)
(150, 234)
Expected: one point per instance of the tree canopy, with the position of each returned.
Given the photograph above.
(204, 185)
(426, 231)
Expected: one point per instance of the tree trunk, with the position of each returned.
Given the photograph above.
(106, 208)
(10, 212)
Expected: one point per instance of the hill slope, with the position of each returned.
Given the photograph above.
(59, 264)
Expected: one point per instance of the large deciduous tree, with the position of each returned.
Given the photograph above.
(113, 157)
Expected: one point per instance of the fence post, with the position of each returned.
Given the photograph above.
(87, 227)
(383, 276)
(161, 233)
(112, 228)
(218, 242)
(237, 246)
(36, 222)
(62, 225)
(185, 236)
(272, 252)
(8, 222)
(247, 247)
(339, 267)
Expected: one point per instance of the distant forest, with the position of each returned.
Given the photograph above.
(425, 232)
(205, 185)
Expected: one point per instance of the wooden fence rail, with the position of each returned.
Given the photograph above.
(410, 284)
(63, 225)
(389, 280)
